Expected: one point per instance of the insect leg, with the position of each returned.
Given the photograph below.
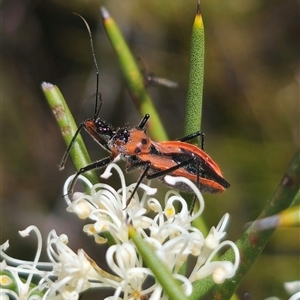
(170, 170)
(95, 165)
(143, 122)
(144, 174)
(198, 186)
(66, 154)
(192, 136)
(186, 138)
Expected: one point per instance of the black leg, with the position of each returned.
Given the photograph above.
(192, 136)
(95, 165)
(66, 154)
(139, 164)
(170, 170)
(143, 122)
(198, 186)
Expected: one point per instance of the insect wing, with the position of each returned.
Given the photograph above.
(171, 153)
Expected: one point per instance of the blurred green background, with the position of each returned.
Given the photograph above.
(250, 115)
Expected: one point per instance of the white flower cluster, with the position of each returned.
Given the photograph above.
(64, 277)
(168, 231)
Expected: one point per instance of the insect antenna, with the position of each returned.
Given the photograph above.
(98, 100)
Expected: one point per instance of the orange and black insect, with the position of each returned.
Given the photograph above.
(178, 158)
(156, 159)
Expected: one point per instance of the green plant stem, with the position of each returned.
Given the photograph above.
(68, 129)
(159, 269)
(196, 75)
(195, 89)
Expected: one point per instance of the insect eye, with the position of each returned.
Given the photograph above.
(144, 141)
(137, 150)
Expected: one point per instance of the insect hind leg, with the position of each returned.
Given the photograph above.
(170, 170)
(192, 136)
(174, 168)
(198, 187)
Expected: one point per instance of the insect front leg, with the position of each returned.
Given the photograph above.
(66, 154)
(143, 122)
(93, 166)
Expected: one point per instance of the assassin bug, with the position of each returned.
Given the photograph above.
(156, 159)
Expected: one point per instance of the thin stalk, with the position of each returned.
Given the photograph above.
(68, 128)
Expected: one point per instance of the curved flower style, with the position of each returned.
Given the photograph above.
(168, 232)
(64, 277)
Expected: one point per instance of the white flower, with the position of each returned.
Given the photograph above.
(220, 270)
(72, 271)
(11, 275)
(107, 208)
(64, 277)
(168, 232)
(126, 263)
